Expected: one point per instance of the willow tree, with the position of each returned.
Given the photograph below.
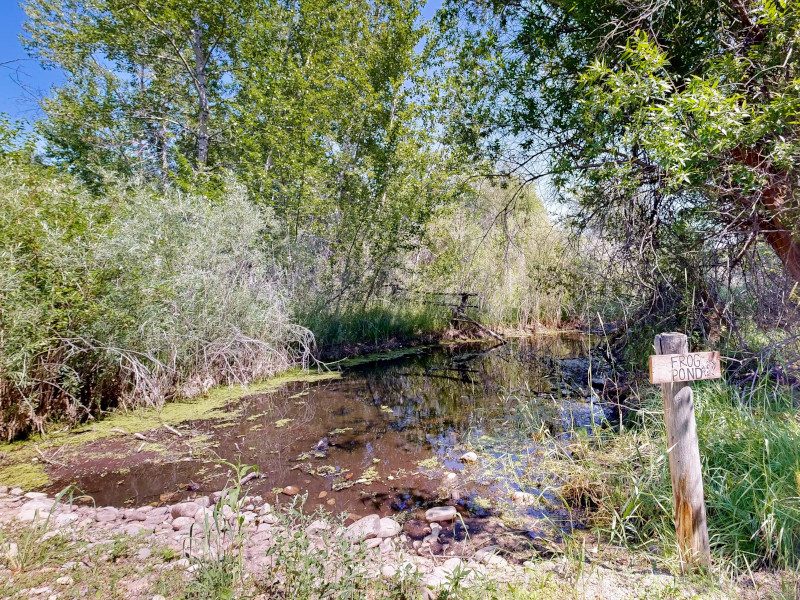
(670, 122)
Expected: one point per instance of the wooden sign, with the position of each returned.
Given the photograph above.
(671, 368)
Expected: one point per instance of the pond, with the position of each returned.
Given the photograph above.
(389, 436)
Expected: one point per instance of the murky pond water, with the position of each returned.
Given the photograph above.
(386, 437)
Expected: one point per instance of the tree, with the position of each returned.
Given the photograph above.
(674, 118)
(146, 80)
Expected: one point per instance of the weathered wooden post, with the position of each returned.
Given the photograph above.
(673, 366)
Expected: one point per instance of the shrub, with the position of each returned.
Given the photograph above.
(136, 296)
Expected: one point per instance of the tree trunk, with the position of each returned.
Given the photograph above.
(202, 92)
(772, 210)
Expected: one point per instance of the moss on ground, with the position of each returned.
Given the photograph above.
(26, 475)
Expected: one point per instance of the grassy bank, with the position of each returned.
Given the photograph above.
(750, 450)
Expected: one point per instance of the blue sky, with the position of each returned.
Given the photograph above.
(23, 82)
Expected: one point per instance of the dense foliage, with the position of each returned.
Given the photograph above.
(670, 127)
(133, 297)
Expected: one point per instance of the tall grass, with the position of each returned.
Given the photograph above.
(382, 321)
(750, 450)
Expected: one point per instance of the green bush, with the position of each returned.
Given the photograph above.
(135, 296)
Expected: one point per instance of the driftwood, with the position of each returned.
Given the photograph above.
(460, 316)
(173, 430)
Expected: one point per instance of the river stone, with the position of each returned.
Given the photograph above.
(106, 515)
(32, 508)
(441, 513)
(317, 526)
(66, 519)
(365, 528)
(291, 490)
(135, 515)
(35, 495)
(436, 579)
(469, 457)
(160, 511)
(388, 571)
(451, 564)
(182, 523)
(270, 519)
(184, 509)
(144, 553)
(388, 527)
(16, 492)
(388, 546)
(204, 515)
(373, 543)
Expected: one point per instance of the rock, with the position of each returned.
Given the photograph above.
(204, 501)
(65, 580)
(316, 527)
(133, 529)
(451, 478)
(270, 519)
(363, 529)
(433, 536)
(158, 597)
(264, 528)
(66, 518)
(469, 457)
(184, 509)
(182, 523)
(523, 498)
(3, 489)
(50, 534)
(266, 509)
(35, 495)
(452, 564)
(106, 515)
(441, 513)
(388, 571)
(144, 553)
(204, 515)
(388, 546)
(435, 579)
(373, 543)
(16, 492)
(12, 552)
(291, 490)
(388, 527)
(35, 509)
(134, 515)
(322, 494)
(330, 501)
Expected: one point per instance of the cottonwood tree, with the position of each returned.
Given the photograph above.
(146, 80)
(672, 123)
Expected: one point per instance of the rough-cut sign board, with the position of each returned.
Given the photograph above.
(669, 368)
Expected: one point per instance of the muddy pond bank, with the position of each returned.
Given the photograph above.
(463, 425)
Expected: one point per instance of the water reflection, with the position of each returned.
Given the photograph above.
(385, 437)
